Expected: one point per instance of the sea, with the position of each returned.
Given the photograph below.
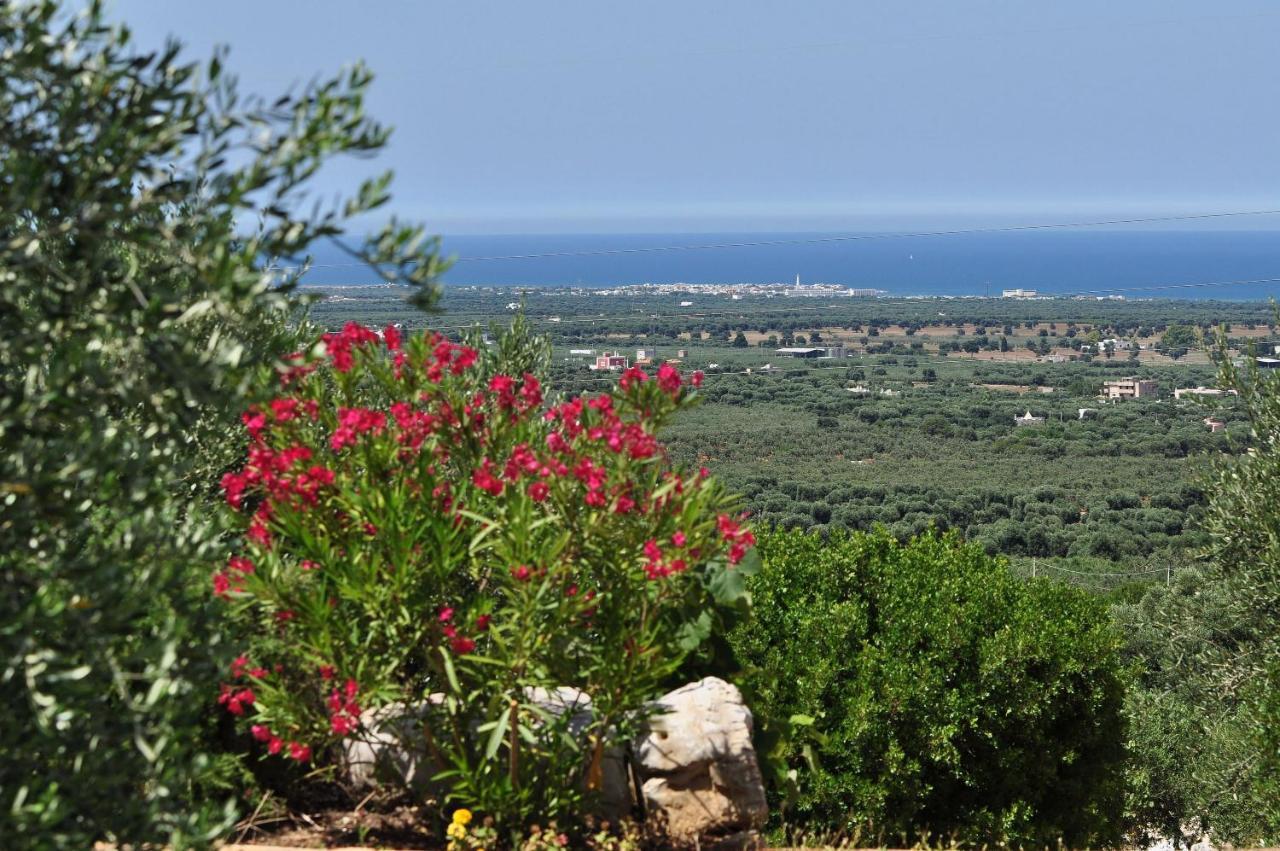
(1182, 264)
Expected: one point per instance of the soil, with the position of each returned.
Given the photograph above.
(389, 825)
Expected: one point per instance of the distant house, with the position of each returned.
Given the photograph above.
(1215, 425)
(582, 351)
(1027, 419)
(1130, 388)
(1201, 391)
(1019, 293)
(1086, 413)
(611, 362)
(801, 352)
(682, 353)
(1268, 363)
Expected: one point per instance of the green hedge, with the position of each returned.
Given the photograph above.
(950, 700)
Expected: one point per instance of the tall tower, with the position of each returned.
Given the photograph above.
(797, 282)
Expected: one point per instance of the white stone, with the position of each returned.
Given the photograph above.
(700, 777)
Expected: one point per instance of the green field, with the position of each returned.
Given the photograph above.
(915, 427)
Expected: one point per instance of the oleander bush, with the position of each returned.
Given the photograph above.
(140, 197)
(931, 695)
(423, 528)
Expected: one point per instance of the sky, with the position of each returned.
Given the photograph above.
(581, 116)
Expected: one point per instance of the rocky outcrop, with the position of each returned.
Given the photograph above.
(700, 778)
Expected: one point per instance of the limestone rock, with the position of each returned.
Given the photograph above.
(701, 780)
(390, 748)
(695, 762)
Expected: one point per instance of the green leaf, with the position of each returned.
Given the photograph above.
(497, 734)
(694, 632)
(449, 671)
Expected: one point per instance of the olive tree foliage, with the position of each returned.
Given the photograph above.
(1206, 756)
(140, 198)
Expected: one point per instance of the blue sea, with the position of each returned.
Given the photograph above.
(1138, 264)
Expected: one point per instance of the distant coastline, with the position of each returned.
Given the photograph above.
(1221, 265)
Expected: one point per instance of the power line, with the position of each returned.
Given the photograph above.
(1240, 283)
(861, 237)
(865, 237)
(809, 47)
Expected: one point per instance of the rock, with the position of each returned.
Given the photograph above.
(390, 748)
(615, 798)
(700, 778)
(696, 764)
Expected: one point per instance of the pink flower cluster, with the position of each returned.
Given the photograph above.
(231, 578)
(275, 744)
(353, 422)
(459, 643)
(660, 564)
(519, 401)
(449, 357)
(341, 346)
(740, 540)
(344, 711)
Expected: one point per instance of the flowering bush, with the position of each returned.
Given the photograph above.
(421, 521)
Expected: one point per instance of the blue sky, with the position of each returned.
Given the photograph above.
(588, 115)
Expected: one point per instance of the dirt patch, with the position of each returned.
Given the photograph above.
(391, 822)
(403, 829)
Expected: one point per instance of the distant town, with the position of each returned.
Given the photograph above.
(792, 290)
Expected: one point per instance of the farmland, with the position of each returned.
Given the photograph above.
(914, 427)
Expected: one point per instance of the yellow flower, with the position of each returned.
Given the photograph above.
(456, 831)
(462, 817)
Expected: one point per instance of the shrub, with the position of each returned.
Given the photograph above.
(417, 527)
(950, 701)
(1209, 649)
(132, 308)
